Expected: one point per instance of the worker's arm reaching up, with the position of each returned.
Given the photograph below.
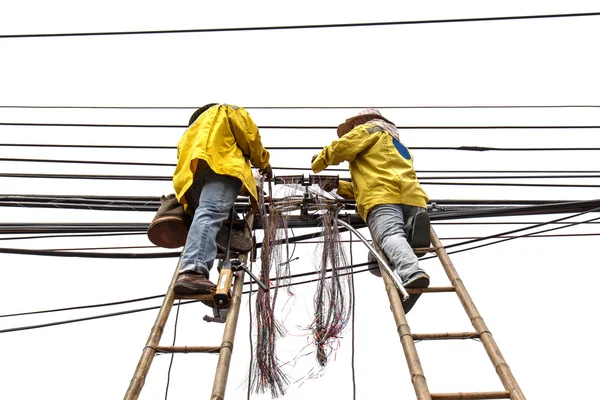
(344, 149)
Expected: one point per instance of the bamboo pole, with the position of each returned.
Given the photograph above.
(141, 371)
(470, 395)
(445, 336)
(187, 349)
(222, 372)
(502, 369)
(410, 351)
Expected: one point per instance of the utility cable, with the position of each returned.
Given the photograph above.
(172, 354)
(297, 275)
(306, 127)
(169, 178)
(516, 231)
(517, 237)
(297, 27)
(71, 235)
(113, 303)
(352, 341)
(295, 148)
(308, 107)
(512, 176)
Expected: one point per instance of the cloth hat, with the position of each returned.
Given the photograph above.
(360, 118)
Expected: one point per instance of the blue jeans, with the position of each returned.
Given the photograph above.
(386, 222)
(211, 196)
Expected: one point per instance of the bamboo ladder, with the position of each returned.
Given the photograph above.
(407, 339)
(225, 349)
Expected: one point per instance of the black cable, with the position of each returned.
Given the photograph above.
(38, 160)
(63, 161)
(169, 178)
(89, 146)
(515, 237)
(307, 127)
(304, 107)
(172, 354)
(520, 230)
(88, 254)
(52, 236)
(295, 27)
(113, 303)
(295, 148)
(298, 275)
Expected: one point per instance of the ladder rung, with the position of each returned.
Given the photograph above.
(188, 349)
(424, 249)
(438, 289)
(445, 336)
(470, 395)
(207, 297)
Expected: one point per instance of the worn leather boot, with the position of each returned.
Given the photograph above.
(189, 283)
(170, 225)
(239, 242)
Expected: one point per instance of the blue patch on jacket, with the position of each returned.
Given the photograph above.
(401, 149)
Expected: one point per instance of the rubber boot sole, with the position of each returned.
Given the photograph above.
(191, 288)
(419, 282)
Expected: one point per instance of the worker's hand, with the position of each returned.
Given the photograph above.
(267, 172)
(328, 185)
(314, 157)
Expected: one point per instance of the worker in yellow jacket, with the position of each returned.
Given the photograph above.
(213, 166)
(388, 195)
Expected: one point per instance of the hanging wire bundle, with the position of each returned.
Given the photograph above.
(333, 298)
(267, 374)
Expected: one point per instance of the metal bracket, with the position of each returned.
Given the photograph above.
(219, 315)
(237, 265)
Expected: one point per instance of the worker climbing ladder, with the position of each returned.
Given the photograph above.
(234, 272)
(407, 339)
(226, 306)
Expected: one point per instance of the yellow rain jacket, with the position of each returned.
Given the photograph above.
(381, 168)
(226, 139)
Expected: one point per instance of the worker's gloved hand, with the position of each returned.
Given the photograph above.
(267, 172)
(328, 185)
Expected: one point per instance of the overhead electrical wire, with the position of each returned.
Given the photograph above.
(168, 178)
(305, 107)
(7, 330)
(464, 238)
(295, 148)
(121, 302)
(304, 127)
(171, 165)
(297, 27)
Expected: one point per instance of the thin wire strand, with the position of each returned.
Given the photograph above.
(499, 106)
(172, 354)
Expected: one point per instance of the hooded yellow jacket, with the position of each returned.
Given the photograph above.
(226, 139)
(381, 169)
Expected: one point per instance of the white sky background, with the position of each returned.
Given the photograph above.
(537, 296)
